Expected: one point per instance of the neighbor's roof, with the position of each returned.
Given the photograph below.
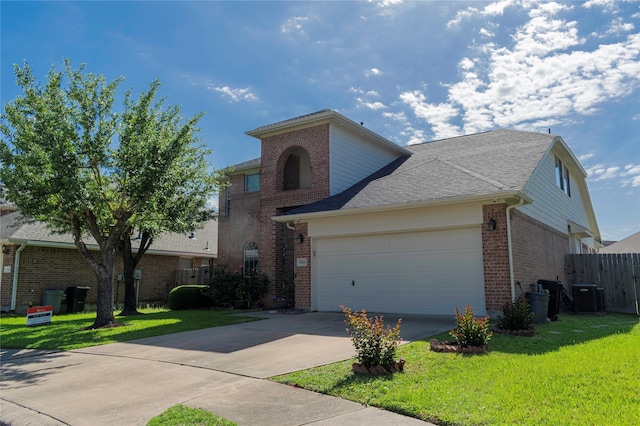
(631, 244)
(14, 230)
(483, 164)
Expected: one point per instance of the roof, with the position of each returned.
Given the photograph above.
(631, 244)
(485, 164)
(326, 116)
(204, 243)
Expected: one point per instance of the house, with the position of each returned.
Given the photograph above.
(34, 259)
(353, 219)
(630, 244)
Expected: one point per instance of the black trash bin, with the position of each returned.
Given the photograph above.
(555, 294)
(75, 298)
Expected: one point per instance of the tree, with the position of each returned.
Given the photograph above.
(69, 160)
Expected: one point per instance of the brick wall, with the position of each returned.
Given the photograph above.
(57, 268)
(495, 257)
(240, 226)
(303, 273)
(538, 253)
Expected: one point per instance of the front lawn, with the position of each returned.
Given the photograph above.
(68, 331)
(579, 370)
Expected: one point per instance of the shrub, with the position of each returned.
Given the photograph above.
(189, 297)
(375, 344)
(471, 331)
(516, 315)
(224, 286)
(255, 286)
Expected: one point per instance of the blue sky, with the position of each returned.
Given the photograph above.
(410, 71)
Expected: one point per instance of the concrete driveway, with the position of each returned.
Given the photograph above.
(218, 369)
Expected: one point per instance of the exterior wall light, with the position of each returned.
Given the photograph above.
(491, 224)
(300, 238)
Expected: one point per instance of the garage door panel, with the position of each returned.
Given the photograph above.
(428, 272)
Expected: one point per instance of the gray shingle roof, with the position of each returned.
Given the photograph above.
(174, 243)
(631, 244)
(466, 166)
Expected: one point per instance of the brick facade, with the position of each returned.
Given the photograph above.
(250, 214)
(44, 268)
(538, 253)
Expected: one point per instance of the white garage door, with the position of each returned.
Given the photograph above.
(426, 272)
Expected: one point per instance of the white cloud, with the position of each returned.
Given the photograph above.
(586, 157)
(601, 172)
(293, 25)
(606, 5)
(543, 79)
(492, 9)
(631, 175)
(373, 72)
(235, 94)
(371, 105)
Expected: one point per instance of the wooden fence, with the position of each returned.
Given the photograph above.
(618, 274)
(193, 275)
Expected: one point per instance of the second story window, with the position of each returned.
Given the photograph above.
(227, 201)
(562, 177)
(252, 183)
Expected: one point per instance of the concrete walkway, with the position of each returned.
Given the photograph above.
(219, 369)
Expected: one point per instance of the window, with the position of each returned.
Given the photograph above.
(250, 257)
(227, 201)
(562, 177)
(252, 183)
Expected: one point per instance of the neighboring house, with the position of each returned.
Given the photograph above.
(33, 259)
(631, 244)
(362, 222)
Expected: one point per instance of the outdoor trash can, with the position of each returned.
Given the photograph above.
(555, 294)
(538, 304)
(75, 298)
(54, 298)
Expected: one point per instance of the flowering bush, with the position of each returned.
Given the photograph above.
(375, 344)
(471, 331)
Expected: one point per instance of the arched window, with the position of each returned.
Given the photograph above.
(297, 170)
(250, 257)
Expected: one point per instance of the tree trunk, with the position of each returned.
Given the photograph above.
(130, 303)
(104, 308)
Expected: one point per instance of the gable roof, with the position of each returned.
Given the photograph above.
(494, 164)
(631, 244)
(326, 116)
(205, 243)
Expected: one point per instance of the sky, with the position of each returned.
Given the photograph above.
(411, 71)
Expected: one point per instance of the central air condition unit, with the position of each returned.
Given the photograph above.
(585, 298)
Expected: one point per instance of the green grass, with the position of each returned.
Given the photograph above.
(181, 415)
(68, 331)
(579, 370)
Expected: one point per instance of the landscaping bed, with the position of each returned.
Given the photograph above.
(577, 370)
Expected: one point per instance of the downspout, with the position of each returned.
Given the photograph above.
(510, 249)
(16, 273)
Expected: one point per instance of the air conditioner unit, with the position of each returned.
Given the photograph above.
(585, 298)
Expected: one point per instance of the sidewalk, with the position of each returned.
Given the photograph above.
(219, 369)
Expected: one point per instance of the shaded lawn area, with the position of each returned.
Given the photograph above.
(576, 371)
(68, 331)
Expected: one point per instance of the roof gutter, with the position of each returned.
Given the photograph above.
(16, 273)
(510, 248)
(391, 207)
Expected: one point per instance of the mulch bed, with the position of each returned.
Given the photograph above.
(438, 346)
(378, 370)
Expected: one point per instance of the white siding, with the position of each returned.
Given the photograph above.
(550, 204)
(353, 159)
(415, 219)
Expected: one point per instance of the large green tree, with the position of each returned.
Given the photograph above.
(70, 160)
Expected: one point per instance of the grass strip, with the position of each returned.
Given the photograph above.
(68, 331)
(181, 415)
